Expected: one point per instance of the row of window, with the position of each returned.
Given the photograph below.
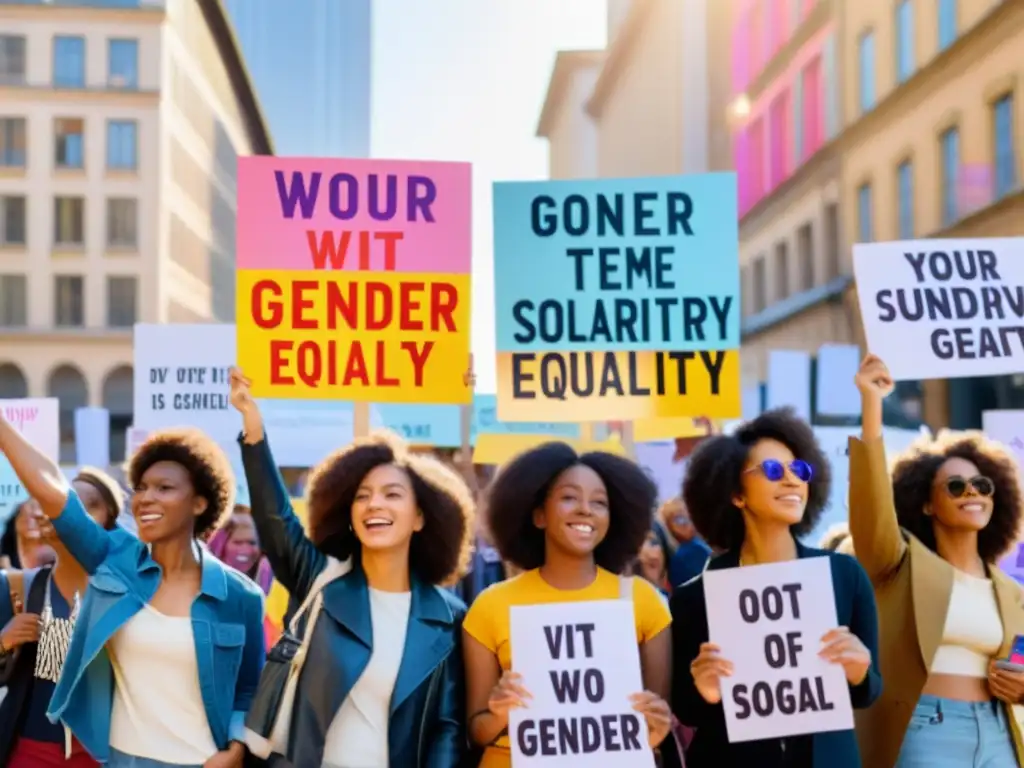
(69, 143)
(69, 301)
(905, 53)
(761, 33)
(69, 53)
(806, 267)
(1004, 179)
(69, 221)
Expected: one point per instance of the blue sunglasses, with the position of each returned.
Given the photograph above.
(775, 470)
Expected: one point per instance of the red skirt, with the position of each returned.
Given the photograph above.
(43, 754)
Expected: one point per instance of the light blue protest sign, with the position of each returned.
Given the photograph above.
(486, 422)
(646, 264)
(434, 425)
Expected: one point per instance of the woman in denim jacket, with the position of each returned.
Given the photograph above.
(382, 683)
(167, 650)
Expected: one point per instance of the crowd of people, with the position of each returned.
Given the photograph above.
(150, 649)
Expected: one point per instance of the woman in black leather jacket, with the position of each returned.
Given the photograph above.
(382, 683)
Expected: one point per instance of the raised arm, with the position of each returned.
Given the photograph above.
(87, 542)
(877, 540)
(295, 559)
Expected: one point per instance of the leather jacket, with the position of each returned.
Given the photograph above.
(427, 719)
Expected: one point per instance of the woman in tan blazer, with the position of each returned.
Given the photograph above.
(929, 539)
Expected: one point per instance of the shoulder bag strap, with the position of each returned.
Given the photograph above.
(334, 569)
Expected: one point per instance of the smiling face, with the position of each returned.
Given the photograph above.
(384, 512)
(164, 503)
(242, 549)
(779, 500)
(961, 498)
(575, 515)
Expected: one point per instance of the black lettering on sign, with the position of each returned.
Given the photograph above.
(637, 214)
(780, 651)
(567, 634)
(566, 685)
(769, 603)
(549, 737)
(557, 375)
(788, 697)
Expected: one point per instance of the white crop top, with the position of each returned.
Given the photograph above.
(973, 631)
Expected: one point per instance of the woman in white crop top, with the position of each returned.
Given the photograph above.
(930, 539)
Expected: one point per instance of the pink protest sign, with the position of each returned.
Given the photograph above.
(368, 215)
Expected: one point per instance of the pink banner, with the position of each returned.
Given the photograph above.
(367, 215)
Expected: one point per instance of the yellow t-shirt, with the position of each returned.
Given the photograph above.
(488, 621)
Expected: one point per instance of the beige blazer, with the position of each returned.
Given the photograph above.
(913, 586)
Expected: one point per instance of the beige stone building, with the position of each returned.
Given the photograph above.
(120, 130)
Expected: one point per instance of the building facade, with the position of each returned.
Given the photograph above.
(310, 62)
(934, 145)
(120, 128)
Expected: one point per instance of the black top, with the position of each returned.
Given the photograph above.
(855, 608)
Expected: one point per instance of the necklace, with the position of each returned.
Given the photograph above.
(54, 637)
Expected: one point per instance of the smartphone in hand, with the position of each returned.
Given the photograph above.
(1015, 661)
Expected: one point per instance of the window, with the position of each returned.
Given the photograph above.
(1005, 160)
(69, 142)
(781, 270)
(947, 23)
(13, 220)
(123, 64)
(12, 142)
(69, 62)
(865, 216)
(121, 301)
(950, 145)
(69, 301)
(755, 157)
(69, 220)
(760, 285)
(122, 222)
(805, 253)
(904, 40)
(122, 145)
(905, 200)
(813, 114)
(12, 59)
(867, 71)
(13, 301)
(831, 241)
(778, 125)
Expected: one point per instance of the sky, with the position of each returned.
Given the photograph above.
(465, 80)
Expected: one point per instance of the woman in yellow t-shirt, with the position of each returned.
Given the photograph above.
(571, 522)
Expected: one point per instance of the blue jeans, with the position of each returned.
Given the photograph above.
(944, 733)
(121, 760)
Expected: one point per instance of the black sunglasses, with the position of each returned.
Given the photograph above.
(957, 486)
(775, 470)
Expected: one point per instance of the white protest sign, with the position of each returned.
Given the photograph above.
(938, 309)
(38, 419)
(768, 621)
(581, 664)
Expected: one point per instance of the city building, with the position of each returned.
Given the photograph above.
(785, 116)
(120, 127)
(564, 121)
(310, 62)
(934, 145)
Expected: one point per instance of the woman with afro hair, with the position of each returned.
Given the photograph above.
(167, 648)
(751, 495)
(930, 538)
(382, 684)
(572, 523)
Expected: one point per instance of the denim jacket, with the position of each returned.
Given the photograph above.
(227, 623)
(427, 723)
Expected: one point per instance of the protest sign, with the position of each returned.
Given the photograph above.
(768, 621)
(637, 312)
(937, 309)
(1007, 427)
(353, 279)
(38, 420)
(581, 664)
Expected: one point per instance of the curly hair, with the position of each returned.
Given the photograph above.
(206, 464)
(913, 476)
(714, 470)
(523, 485)
(107, 487)
(439, 553)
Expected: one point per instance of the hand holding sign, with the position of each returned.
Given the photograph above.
(507, 695)
(1005, 684)
(708, 669)
(656, 712)
(845, 648)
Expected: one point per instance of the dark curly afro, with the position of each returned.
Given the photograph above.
(440, 552)
(714, 470)
(204, 461)
(913, 476)
(523, 485)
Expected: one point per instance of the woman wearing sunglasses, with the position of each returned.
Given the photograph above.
(751, 494)
(930, 538)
